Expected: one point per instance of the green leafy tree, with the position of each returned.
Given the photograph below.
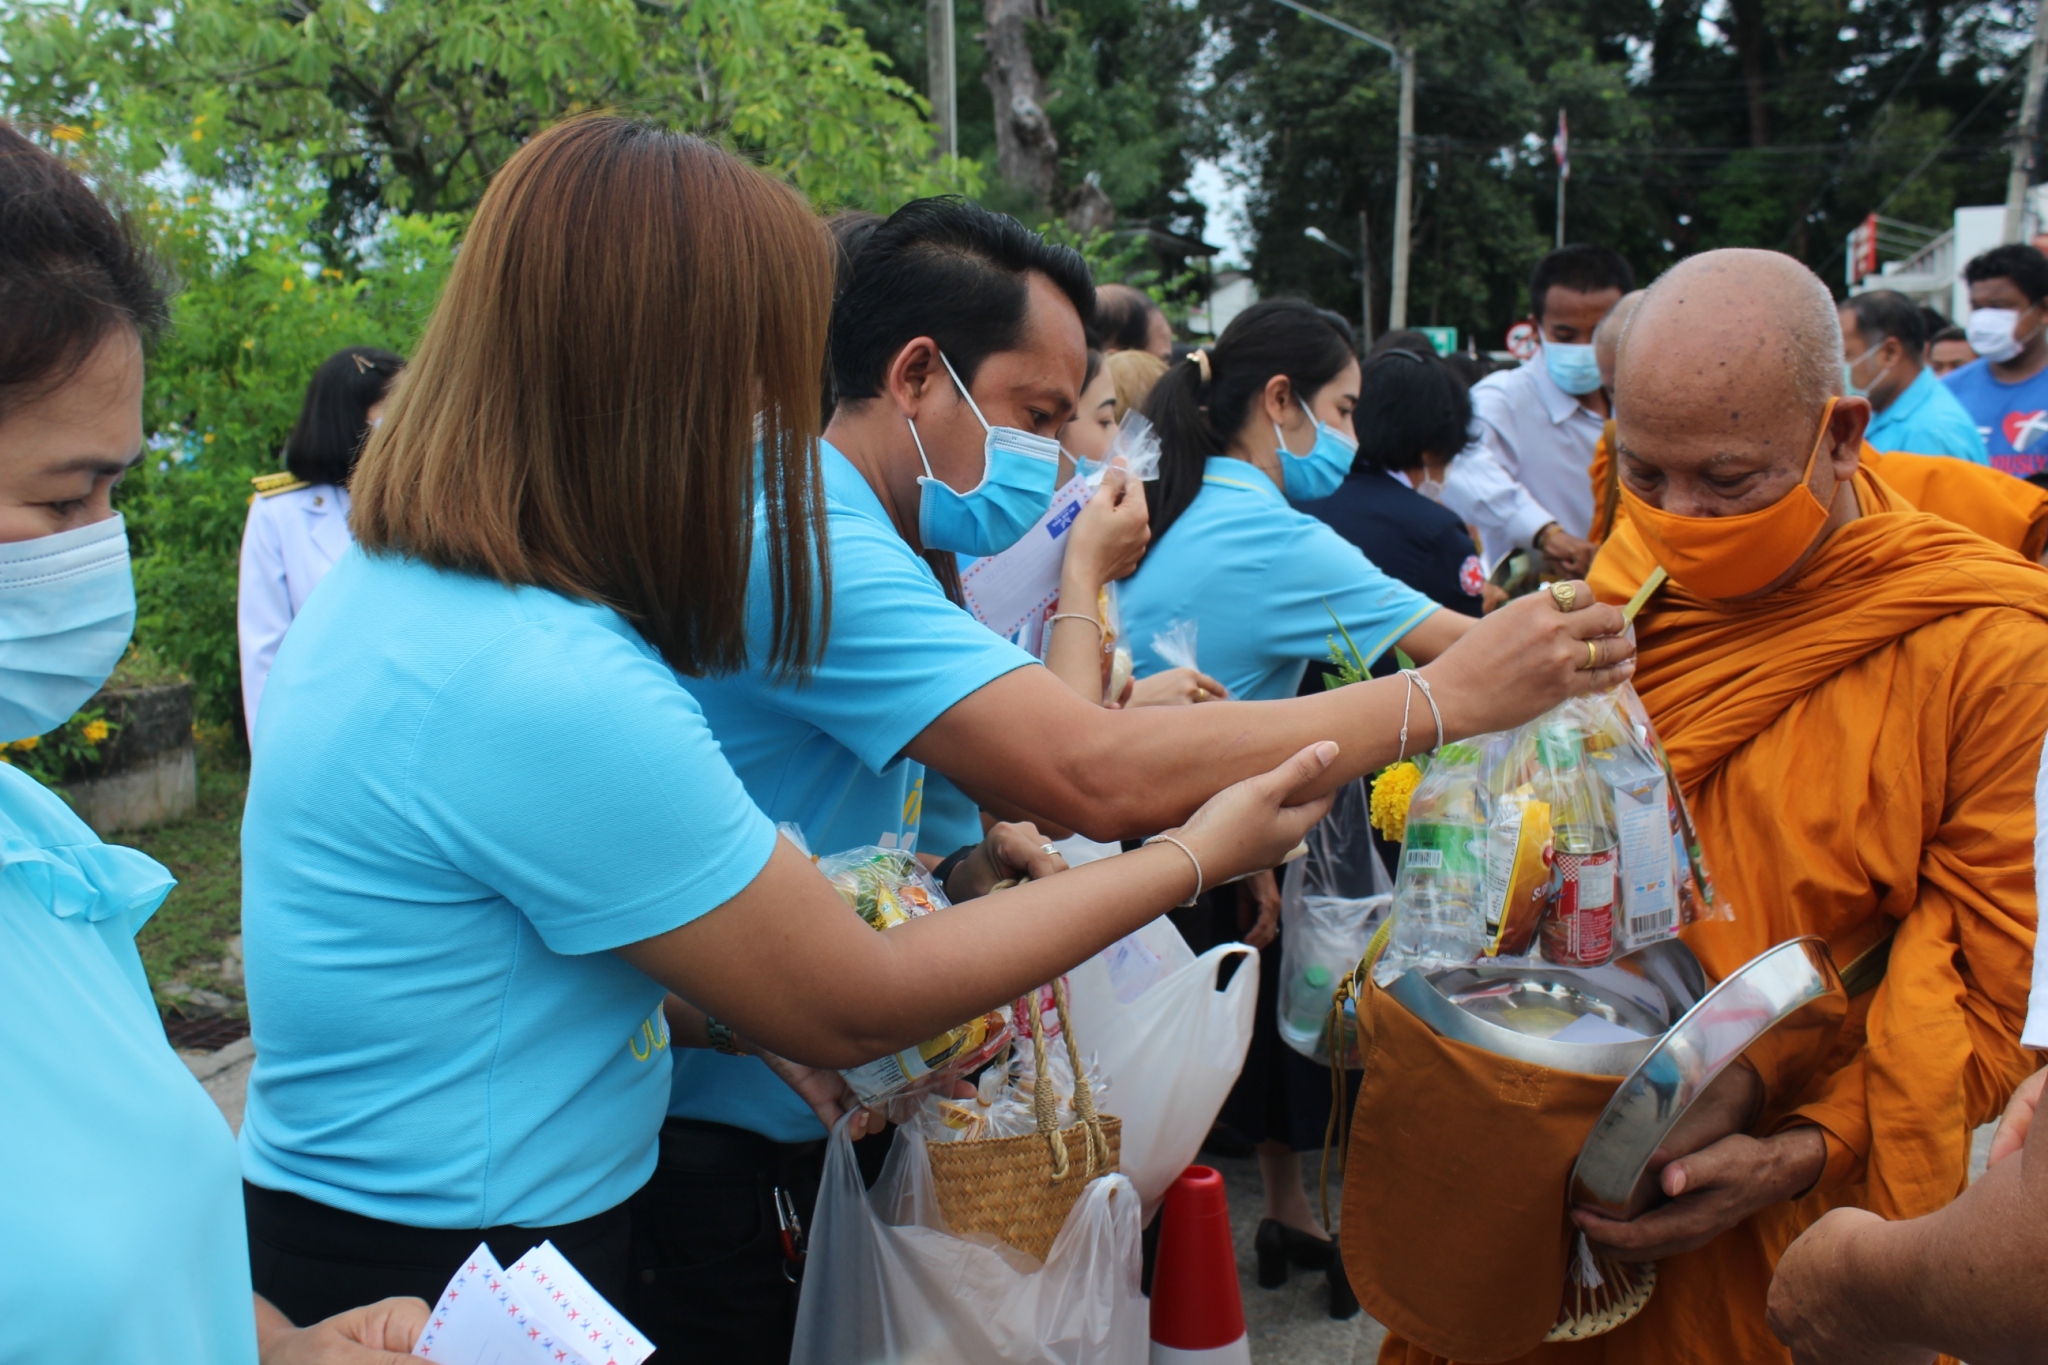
(413, 104)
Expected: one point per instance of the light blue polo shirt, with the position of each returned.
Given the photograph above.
(825, 754)
(121, 1211)
(463, 795)
(1926, 419)
(1254, 574)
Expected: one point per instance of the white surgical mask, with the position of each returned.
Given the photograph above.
(1990, 331)
(1433, 489)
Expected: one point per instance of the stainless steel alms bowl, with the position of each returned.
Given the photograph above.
(1512, 1010)
(1793, 985)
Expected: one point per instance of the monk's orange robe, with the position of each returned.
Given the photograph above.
(1604, 478)
(1859, 750)
(2004, 510)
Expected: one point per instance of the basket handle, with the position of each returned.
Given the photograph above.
(1045, 1102)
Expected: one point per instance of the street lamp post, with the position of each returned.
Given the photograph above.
(1316, 234)
(1404, 180)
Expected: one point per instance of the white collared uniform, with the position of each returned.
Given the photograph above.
(1527, 466)
(294, 536)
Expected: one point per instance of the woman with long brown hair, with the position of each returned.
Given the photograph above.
(488, 830)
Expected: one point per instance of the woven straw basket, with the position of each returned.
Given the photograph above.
(1019, 1190)
(1624, 1289)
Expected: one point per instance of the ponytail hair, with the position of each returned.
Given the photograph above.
(1204, 402)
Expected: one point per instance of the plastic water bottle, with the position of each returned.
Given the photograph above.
(1308, 1005)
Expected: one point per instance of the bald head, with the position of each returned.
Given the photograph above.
(1721, 378)
(1607, 336)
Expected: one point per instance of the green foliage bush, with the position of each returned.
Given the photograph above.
(256, 313)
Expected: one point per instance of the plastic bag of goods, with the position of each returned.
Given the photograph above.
(1332, 900)
(1566, 840)
(888, 887)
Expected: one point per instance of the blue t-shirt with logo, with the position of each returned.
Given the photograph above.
(463, 796)
(2012, 418)
(825, 753)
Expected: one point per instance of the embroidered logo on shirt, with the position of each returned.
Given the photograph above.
(652, 1037)
(2022, 427)
(1471, 577)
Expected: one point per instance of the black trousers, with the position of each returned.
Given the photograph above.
(711, 1283)
(313, 1261)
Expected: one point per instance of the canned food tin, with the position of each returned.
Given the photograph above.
(1579, 931)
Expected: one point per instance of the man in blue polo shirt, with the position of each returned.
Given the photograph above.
(1884, 344)
(957, 353)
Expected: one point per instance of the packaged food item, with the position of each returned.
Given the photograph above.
(1518, 865)
(1645, 830)
(887, 887)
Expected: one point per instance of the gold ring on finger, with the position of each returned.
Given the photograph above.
(1592, 654)
(1566, 595)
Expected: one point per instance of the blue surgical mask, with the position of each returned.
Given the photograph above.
(1016, 487)
(1572, 368)
(1849, 384)
(67, 608)
(1306, 478)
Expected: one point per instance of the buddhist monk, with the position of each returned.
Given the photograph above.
(1854, 696)
(1606, 488)
(2004, 510)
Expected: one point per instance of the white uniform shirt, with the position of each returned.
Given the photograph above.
(1533, 435)
(291, 541)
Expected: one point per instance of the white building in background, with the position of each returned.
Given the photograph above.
(1928, 262)
(1230, 293)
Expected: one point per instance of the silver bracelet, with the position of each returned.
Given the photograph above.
(1415, 680)
(1169, 839)
(1075, 616)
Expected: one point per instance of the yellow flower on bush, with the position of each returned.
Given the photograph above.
(24, 745)
(66, 132)
(95, 731)
(1391, 792)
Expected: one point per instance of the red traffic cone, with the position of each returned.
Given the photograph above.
(1197, 1313)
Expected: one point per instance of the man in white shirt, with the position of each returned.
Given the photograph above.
(1523, 482)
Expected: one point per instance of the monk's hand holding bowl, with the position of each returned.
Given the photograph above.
(1516, 663)
(1713, 1174)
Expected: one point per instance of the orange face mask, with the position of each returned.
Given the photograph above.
(1720, 558)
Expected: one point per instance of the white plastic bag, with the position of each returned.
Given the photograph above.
(1331, 902)
(1170, 1052)
(886, 1284)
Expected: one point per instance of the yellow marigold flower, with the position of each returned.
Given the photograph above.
(95, 731)
(1391, 792)
(65, 132)
(207, 439)
(288, 284)
(26, 744)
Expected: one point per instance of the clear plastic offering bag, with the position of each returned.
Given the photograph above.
(1565, 838)
(1331, 902)
(887, 887)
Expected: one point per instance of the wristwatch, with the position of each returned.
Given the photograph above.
(722, 1037)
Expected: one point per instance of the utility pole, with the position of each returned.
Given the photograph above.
(2023, 136)
(942, 82)
(1564, 173)
(1404, 182)
(1404, 193)
(1364, 283)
